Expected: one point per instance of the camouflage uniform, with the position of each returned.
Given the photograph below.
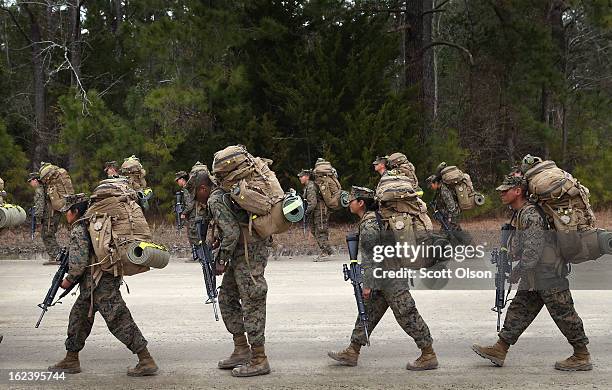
(317, 215)
(193, 210)
(387, 293)
(106, 299)
(242, 298)
(543, 281)
(49, 221)
(2, 192)
(446, 202)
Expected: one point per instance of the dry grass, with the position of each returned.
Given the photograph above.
(290, 243)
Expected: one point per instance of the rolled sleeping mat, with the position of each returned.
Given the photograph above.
(479, 199)
(344, 199)
(11, 215)
(293, 207)
(605, 241)
(148, 254)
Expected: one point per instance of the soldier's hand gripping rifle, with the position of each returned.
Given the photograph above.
(179, 208)
(353, 272)
(442, 219)
(32, 212)
(203, 254)
(501, 259)
(62, 258)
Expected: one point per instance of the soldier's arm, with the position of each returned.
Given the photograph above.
(311, 197)
(368, 238)
(452, 208)
(78, 258)
(189, 203)
(228, 227)
(532, 239)
(39, 202)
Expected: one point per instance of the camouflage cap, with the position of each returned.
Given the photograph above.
(181, 174)
(380, 160)
(432, 179)
(110, 164)
(72, 200)
(360, 193)
(32, 176)
(511, 181)
(305, 172)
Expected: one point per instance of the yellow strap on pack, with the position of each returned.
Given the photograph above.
(9, 206)
(143, 245)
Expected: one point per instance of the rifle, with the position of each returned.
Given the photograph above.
(354, 274)
(32, 212)
(305, 224)
(501, 259)
(179, 209)
(202, 253)
(62, 258)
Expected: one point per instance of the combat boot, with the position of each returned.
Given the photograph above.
(240, 356)
(146, 365)
(427, 361)
(495, 353)
(70, 364)
(347, 357)
(579, 361)
(257, 365)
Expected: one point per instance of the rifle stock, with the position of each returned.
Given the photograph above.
(62, 258)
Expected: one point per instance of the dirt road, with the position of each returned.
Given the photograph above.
(310, 311)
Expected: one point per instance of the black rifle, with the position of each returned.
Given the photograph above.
(179, 208)
(62, 258)
(353, 272)
(202, 253)
(305, 223)
(442, 218)
(32, 212)
(501, 259)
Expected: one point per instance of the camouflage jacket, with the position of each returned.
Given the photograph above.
(446, 202)
(314, 199)
(369, 237)
(533, 246)
(227, 220)
(79, 255)
(189, 204)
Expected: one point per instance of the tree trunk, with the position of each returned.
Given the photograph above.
(75, 44)
(429, 66)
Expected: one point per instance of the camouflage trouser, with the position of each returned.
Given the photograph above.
(242, 298)
(527, 304)
(319, 228)
(405, 312)
(108, 301)
(192, 232)
(48, 230)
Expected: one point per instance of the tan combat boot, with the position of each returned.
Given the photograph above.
(579, 361)
(70, 364)
(240, 356)
(495, 353)
(146, 365)
(347, 357)
(257, 365)
(427, 361)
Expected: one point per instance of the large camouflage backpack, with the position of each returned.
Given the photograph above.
(566, 204)
(57, 183)
(326, 178)
(461, 183)
(404, 213)
(133, 170)
(399, 162)
(116, 222)
(254, 187)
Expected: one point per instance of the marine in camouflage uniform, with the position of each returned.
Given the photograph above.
(541, 273)
(380, 294)
(243, 292)
(49, 218)
(316, 214)
(104, 298)
(111, 170)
